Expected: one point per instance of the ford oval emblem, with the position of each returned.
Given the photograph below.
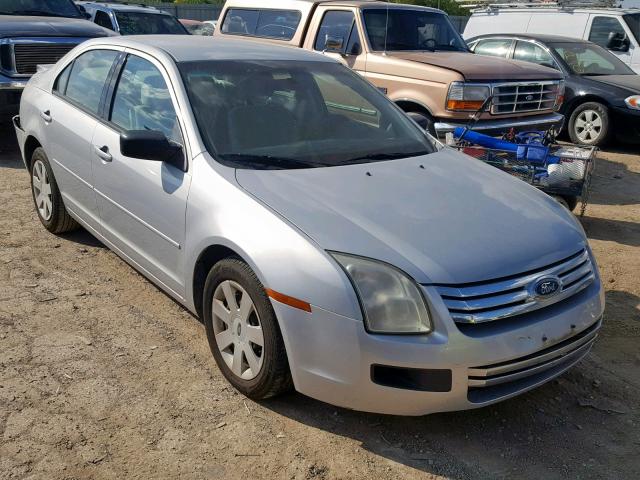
(529, 97)
(546, 287)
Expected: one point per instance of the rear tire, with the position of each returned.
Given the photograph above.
(590, 124)
(257, 371)
(46, 196)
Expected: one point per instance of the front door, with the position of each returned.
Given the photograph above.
(142, 203)
(602, 26)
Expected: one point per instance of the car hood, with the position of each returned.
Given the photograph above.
(479, 67)
(442, 218)
(28, 26)
(628, 82)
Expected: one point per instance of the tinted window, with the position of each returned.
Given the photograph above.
(602, 27)
(60, 84)
(103, 20)
(140, 23)
(633, 21)
(589, 59)
(57, 8)
(280, 24)
(336, 24)
(407, 29)
(88, 76)
(142, 100)
(493, 48)
(287, 114)
(530, 52)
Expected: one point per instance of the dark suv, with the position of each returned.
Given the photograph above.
(32, 33)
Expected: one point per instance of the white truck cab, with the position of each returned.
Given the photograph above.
(617, 29)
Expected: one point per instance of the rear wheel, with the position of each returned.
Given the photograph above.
(46, 196)
(589, 124)
(243, 332)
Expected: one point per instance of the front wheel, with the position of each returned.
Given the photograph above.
(243, 332)
(589, 124)
(425, 121)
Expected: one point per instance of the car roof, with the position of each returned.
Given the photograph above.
(551, 9)
(531, 36)
(189, 48)
(122, 7)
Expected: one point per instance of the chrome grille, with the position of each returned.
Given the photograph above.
(499, 299)
(524, 97)
(28, 56)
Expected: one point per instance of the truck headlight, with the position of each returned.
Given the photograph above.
(466, 97)
(633, 102)
(391, 301)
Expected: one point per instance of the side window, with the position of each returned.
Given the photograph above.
(102, 19)
(493, 48)
(88, 76)
(354, 47)
(142, 100)
(344, 104)
(335, 24)
(60, 85)
(530, 52)
(601, 27)
(279, 24)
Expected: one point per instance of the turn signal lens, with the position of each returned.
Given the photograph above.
(464, 97)
(633, 102)
(464, 105)
(287, 300)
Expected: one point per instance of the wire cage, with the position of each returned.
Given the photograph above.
(568, 176)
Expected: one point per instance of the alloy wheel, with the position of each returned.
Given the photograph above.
(237, 329)
(588, 126)
(42, 190)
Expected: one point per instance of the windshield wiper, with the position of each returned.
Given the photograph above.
(386, 156)
(270, 161)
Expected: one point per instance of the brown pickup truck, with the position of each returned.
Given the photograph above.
(411, 53)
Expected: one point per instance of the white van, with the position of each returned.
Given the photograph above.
(617, 29)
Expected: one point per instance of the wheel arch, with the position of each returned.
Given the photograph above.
(30, 146)
(409, 105)
(582, 99)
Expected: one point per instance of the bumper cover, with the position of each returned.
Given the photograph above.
(10, 93)
(500, 126)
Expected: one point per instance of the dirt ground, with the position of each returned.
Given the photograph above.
(103, 376)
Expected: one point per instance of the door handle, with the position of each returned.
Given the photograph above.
(46, 116)
(103, 153)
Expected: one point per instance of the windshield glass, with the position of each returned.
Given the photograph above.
(633, 21)
(590, 59)
(288, 114)
(48, 8)
(140, 23)
(406, 29)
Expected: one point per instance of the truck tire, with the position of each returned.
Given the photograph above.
(424, 120)
(589, 124)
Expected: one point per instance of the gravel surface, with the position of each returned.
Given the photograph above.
(103, 376)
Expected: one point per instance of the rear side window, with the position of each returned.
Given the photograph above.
(530, 52)
(60, 85)
(102, 19)
(602, 27)
(88, 76)
(335, 24)
(279, 24)
(493, 48)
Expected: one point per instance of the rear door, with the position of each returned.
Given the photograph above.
(142, 203)
(71, 116)
(493, 47)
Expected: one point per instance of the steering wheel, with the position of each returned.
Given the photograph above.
(426, 42)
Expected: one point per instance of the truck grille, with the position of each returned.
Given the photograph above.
(524, 97)
(481, 302)
(29, 55)
(490, 382)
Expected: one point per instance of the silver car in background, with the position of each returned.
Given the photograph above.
(325, 240)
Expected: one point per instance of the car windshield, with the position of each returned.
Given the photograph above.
(288, 114)
(45, 8)
(406, 29)
(140, 23)
(633, 21)
(590, 59)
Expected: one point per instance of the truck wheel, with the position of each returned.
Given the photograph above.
(243, 331)
(46, 196)
(589, 124)
(570, 203)
(424, 120)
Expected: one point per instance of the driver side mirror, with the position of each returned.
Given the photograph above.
(84, 12)
(334, 44)
(618, 42)
(152, 145)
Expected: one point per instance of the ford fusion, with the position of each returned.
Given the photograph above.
(328, 244)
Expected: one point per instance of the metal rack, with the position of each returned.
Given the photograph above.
(551, 4)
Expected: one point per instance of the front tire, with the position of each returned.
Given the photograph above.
(425, 121)
(589, 124)
(46, 196)
(243, 331)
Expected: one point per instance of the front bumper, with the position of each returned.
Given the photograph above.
(626, 124)
(10, 93)
(333, 359)
(498, 127)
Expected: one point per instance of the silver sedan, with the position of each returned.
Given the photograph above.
(326, 241)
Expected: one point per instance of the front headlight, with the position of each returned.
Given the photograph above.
(391, 301)
(466, 97)
(633, 102)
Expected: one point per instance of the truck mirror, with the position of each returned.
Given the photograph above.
(618, 42)
(333, 44)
